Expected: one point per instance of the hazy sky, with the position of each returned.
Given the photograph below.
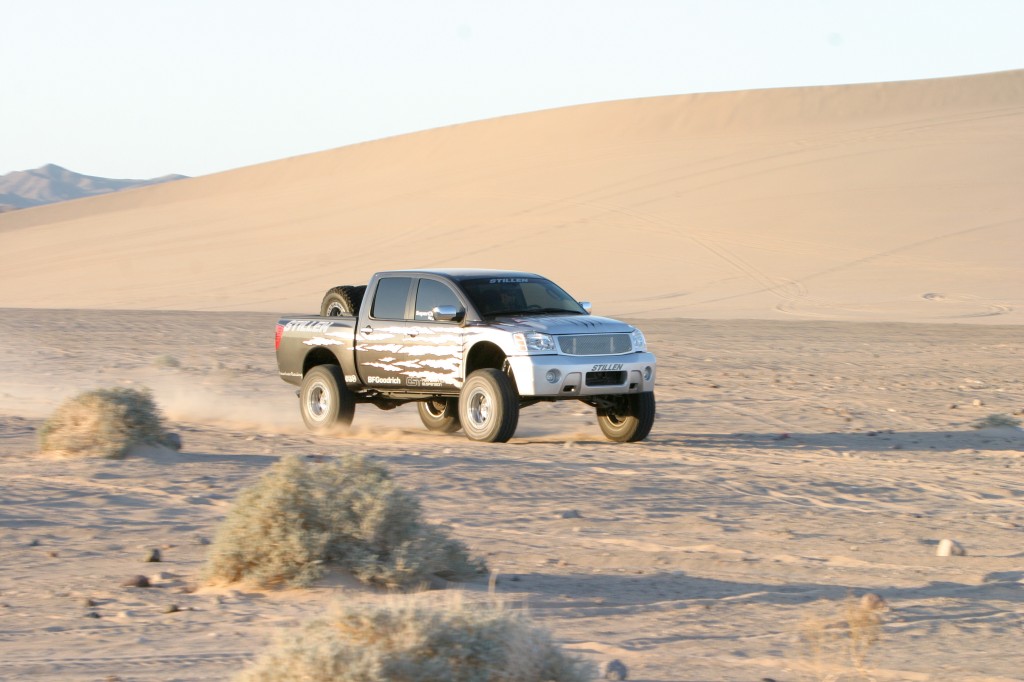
(140, 88)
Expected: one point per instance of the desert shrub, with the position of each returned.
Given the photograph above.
(996, 421)
(299, 516)
(408, 643)
(167, 361)
(104, 423)
(844, 638)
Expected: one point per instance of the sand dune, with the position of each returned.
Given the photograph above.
(896, 201)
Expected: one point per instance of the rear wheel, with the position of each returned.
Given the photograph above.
(628, 419)
(325, 401)
(440, 414)
(489, 406)
(343, 300)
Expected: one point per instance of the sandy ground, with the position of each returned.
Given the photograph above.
(792, 464)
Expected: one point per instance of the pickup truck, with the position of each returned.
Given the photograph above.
(470, 347)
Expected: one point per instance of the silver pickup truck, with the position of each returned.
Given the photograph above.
(470, 347)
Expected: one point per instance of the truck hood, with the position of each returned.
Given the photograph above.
(562, 324)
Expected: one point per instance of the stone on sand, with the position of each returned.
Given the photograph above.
(949, 547)
(614, 670)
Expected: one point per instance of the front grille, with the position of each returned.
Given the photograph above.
(595, 344)
(606, 378)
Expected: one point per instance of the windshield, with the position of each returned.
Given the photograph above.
(493, 296)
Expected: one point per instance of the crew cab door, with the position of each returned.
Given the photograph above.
(400, 347)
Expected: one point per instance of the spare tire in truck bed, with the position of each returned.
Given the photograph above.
(342, 300)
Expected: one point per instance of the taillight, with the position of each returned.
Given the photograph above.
(277, 336)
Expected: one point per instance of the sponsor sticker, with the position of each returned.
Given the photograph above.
(315, 326)
(606, 368)
(383, 380)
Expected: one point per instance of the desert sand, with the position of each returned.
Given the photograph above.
(792, 464)
(796, 258)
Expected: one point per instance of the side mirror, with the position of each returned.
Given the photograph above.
(447, 313)
(586, 306)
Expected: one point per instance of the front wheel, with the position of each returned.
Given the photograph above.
(325, 401)
(489, 406)
(628, 419)
(440, 414)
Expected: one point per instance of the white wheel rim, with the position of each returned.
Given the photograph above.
(479, 408)
(318, 401)
(435, 409)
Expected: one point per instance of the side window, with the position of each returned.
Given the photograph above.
(390, 299)
(432, 294)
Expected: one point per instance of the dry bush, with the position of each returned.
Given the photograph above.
(167, 362)
(835, 642)
(996, 421)
(298, 517)
(104, 423)
(408, 643)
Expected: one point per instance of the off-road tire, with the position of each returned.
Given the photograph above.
(440, 415)
(342, 300)
(326, 403)
(489, 406)
(630, 420)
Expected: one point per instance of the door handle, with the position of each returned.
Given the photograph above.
(366, 330)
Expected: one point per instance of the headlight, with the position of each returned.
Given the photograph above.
(533, 342)
(639, 342)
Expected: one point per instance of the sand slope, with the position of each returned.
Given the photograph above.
(896, 201)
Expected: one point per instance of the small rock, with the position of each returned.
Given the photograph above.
(977, 402)
(136, 581)
(202, 540)
(949, 547)
(153, 556)
(571, 514)
(173, 441)
(89, 602)
(614, 670)
(92, 614)
(52, 554)
(873, 602)
(34, 543)
(171, 608)
(953, 406)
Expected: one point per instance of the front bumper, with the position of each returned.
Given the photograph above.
(583, 375)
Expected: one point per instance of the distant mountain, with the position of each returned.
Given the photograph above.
(51, 183)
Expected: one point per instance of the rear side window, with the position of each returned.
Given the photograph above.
(432, 294)
(391, 297)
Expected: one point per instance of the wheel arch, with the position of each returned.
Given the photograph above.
(483, 355)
